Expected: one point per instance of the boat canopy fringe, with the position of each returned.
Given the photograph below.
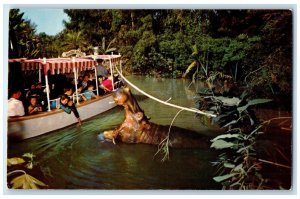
(58, 65)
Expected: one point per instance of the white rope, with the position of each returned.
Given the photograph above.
(164, 102)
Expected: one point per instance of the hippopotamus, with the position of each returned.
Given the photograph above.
(137, 128)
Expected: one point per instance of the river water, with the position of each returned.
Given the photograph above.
(74, 158)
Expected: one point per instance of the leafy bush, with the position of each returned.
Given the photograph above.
(23, 181)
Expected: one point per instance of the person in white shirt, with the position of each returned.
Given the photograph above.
(15, 106)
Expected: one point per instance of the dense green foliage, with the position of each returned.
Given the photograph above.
(252, 46)
(251, 157)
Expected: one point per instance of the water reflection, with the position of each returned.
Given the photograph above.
(74, 158)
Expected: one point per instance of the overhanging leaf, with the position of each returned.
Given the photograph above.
(221, 144)
(253, 102)
(225, 136)
(15, 161)
(224, 177)
(229, 165)
(26, 181)
(29, 165)
(238, 167)
(192, 65)
(234, 101)
(28, 155)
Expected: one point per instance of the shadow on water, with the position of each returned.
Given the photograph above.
(74, 158)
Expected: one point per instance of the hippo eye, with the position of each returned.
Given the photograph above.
(139, 115)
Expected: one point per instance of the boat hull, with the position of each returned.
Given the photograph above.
(35, 125)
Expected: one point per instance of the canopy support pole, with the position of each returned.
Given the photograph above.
(48, 92)
(121, 64)
(47, 85)
(75, 77)
(96, 81)
(111, 73)
(40, 74)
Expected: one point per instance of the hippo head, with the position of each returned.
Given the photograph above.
(124, 97)
(135, 119)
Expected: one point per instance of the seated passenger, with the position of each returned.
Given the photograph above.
(85, 81)
(34, 106)
(89, 94)
(41, 94)
(101, 70)
(79, 93)
(68, 106)
(107, 84)
(15, 106)
(68, 91)
(31, 91)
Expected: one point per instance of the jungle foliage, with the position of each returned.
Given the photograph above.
(252, 46)
(251, 157)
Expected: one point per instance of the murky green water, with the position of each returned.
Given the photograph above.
(73, 158)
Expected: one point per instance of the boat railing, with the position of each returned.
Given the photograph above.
(118, 84)
(57, 102)
(74, 95)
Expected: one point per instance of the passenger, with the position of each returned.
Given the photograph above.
(101, 90)
(68, 91)
(39, 90)
(31, 91)
(41, 94)
(68, 106)
(91, 77)
(79, 81)
(84, 82)
(107, 84)
(101, 70)
(79, 93)
(15, 106)
(34, 106)
(89, 94)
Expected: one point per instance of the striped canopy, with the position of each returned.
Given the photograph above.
(56, 65)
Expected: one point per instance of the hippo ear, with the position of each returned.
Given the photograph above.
(126, 89)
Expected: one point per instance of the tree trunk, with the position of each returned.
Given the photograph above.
(132, 20)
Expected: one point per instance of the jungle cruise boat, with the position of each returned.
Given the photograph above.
(29, 126)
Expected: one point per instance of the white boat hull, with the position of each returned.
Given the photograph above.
(35, 125)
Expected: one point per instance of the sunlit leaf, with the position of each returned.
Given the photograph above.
(224, 177)
(229, 165)
(244, 149)
(253, 102)
(26, 181)
(234, 184)
(234, 101)
(28, 155)
(110, 50)
(239, 167)
(230, 123)
(14, 161)
(221, 144)
(192, 65)
(225, 136)
(29, 165)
